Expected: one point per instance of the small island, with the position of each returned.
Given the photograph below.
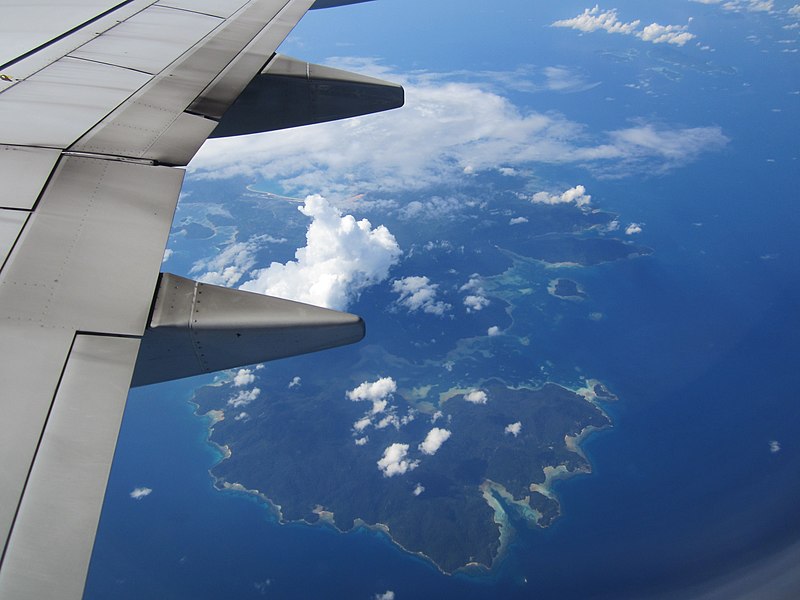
(566, 289)
(504, 448)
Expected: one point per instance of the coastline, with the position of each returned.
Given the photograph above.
(488, 488)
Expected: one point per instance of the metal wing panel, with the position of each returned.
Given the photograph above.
(150, 40)
(138, 128)
(226, 87)
(48, 554)
(31, 24)
(217, 8)
(89, 256)
(58, 104)
(11, 224)
(31, 365)
(24, 173)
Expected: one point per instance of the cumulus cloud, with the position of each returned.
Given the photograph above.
(243, 398)
(633, 228)
(576, 195)
(514, 428)
(394, 461)
(517, 220)
(774, 446)
(445, 126)
(374, 391)
(493, 331)
(362, 441)
(242, 416)
(341, 258)
(418, 293)
(295, 382)
(140, 492)
(418, 489)
(477, 300)
(593, 19)
(434, 440)
(387, 595)
(229, 266)
(476, 397)
(167, 255)
(243, 377)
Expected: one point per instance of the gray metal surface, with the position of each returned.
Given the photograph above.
(24, 172)
(58, 104)
(226, 87)
(150, 40)
(153, 124)
(11, 222)
(291, 93)
(32, 61)
(48, 554)
(200, 328)
(90, 254)
(27, 25)
(217, 8)
(31, 361)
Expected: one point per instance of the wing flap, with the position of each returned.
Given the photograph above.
(24, 173)
(47, 555)
(97, 219)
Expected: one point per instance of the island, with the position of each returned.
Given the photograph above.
(448, 500)
(566, 289)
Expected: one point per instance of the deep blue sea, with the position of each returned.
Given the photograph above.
(700, 341)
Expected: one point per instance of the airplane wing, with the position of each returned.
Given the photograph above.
(101, 104)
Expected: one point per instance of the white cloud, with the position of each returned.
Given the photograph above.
(418, 489)
(559, 79)
(517, 220)
(167, 255)
(244, 397)
(434, 440)
(342, 257)
(475, 303)
(295, 382)
(476, 397)
(633, 228)
(576, 195)
(493, 331)
(362, 441)
(418, 293)
(394, 461)
(445, 126)
(436, 416)
(774, 446)
(243, 377)
(794, 10)
(478, 300)
(593, 19)
(387, 595)
(229, 266)
(140, 492)
(744, 5)
(514, 428)
(373, 391)
(242, 416)
(362, 424)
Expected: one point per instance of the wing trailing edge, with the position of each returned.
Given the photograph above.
(200, 328)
